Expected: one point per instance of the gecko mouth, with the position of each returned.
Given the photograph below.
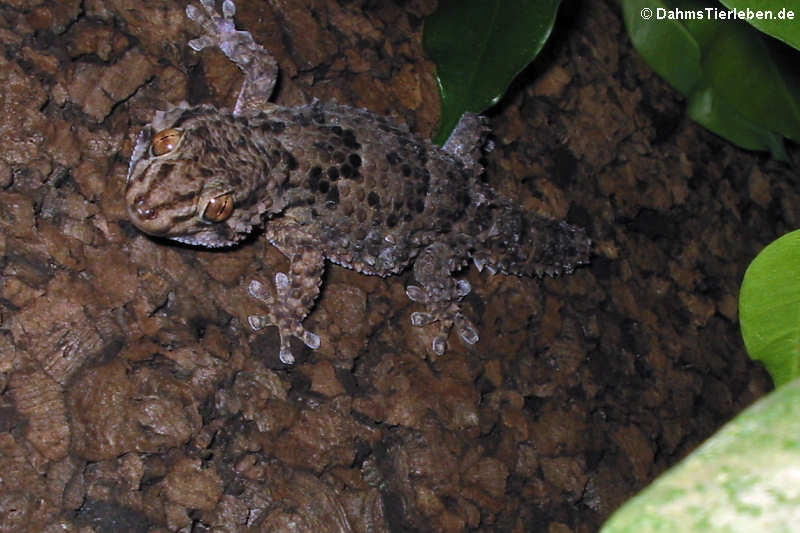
(217, 236)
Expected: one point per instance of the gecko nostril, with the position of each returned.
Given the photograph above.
(141, 209)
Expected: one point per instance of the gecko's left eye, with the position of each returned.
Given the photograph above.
(220, 208)
(165, 141)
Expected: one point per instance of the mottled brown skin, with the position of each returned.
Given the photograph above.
(327, 181)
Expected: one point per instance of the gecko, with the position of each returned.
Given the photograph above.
(328, 182)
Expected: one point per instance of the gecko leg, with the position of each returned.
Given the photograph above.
(295, 291)
(259, 67)
(440, 294)
(468, 140)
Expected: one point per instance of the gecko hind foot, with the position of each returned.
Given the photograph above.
(445, 309)
(281, 316)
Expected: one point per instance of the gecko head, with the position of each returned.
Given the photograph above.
(187, 182)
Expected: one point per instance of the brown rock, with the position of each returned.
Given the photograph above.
(490, 475)
(320, 438)
(191, 486)
(324, 380)
(58, 334)
(16, 215)
(97, 88)
(117, 409)
(21, 125)
(86, 37)
(566, 473)
(637, 448)
(307, 505)
(40, 400)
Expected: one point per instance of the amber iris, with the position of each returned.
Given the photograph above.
(220, 208)
(165, 141)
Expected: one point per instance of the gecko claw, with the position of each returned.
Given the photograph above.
(416, 294)
(439, 344)
(419, 318)
(201, 42)
(462, 288)
(285, 354)
(258, 322)
(259, 291)
(311, 340)
(466, 330)
(281, 282)
(192, 12)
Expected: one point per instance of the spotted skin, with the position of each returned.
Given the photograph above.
(330, 182)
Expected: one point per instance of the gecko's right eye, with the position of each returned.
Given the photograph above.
(165, 141)
(219, 209)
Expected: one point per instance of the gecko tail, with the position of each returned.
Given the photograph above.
(526, 243)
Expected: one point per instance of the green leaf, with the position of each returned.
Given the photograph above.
(667, 46)
(745, 478)
(739, 83)
(479, 46)
(706, 108)
(747, 71)
(780, 26)
(769, 308)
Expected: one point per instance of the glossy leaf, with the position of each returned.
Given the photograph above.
(739, 83)
(784, 24)
(745, 478)
(667, 46)
(769, 308)
(479, 46)
(748, 72)
(708, 109)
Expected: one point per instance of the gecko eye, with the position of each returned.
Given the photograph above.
(165, 141)
(220, 208)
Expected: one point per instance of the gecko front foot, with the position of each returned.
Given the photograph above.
(280, 315)
(443, 307)
(218, 30)
(259, 67)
